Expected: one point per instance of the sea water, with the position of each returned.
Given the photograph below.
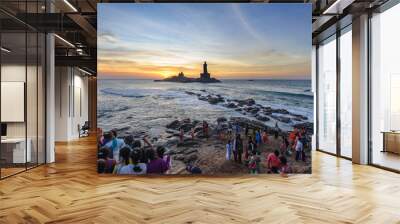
(145, 105)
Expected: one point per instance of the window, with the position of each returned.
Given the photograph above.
(327, 95)
(346, 93)
(385, 88)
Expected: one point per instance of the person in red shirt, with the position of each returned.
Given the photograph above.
(273, 162)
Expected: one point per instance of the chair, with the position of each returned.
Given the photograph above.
(84, 130)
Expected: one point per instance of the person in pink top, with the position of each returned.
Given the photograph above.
(273, 162)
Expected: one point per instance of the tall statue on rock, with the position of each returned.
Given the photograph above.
(205, 75)
(205, 68)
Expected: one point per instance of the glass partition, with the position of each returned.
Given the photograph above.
(346, 93)
(22, 91)
(13, 92)
(327, 95)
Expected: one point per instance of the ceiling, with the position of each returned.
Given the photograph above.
(75, 21)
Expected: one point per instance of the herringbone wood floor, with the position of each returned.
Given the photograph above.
(70, 191)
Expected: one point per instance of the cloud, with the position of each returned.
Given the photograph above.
(107, 37)
(247, 26)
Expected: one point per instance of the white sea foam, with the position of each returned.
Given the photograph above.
(145, 104)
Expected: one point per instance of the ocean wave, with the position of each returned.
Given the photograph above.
(123, 93)
(140, 93)
(289, 94)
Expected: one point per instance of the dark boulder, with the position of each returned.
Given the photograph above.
(231, 105)
(186, 127)
(262, 118)
(299, 116)
(203, 98)
(215, 100)
(190, 93)
(280, 111)
(250, 102)
(186, 120)
(254, 110)
(221, 119)
(174, 125)
(282, 118)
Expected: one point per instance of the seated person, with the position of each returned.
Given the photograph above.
(137, 166)
(285, 169)
(129, 141)
(105, 162)
(101, 166)
(124, 166)
(155, 165)
(273, 162)
(166, 158)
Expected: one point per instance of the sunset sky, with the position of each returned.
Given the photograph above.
(238, 41)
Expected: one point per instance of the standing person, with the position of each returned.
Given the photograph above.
(205, 129)
(284, 145)
(246, 130)
(237, 129)
(299, 149)
(292, 136)
(114, 144)
(258, 137)
(181, 133)
(234, 149)
(239, 148)
(220, 131)
(253, 164)
(251, 133)
(192, 133)
(250, 147)
(264, 137)
(246, 150)
(228, 150)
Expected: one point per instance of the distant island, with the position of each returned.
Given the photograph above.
(205, 77)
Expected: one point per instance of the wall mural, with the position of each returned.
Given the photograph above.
(214, 89)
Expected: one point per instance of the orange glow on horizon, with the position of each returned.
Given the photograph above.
(127, 70)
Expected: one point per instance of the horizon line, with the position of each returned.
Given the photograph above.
(132, 78)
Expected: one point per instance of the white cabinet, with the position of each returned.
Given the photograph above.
(19, 155)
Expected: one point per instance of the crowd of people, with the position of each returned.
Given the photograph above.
(249, 144)
(129, 156)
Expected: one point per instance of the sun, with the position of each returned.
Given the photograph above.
(166, 74)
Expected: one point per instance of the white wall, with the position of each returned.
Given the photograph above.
(70, 84)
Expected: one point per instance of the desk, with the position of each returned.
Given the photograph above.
(13, 150)
(391, 141)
